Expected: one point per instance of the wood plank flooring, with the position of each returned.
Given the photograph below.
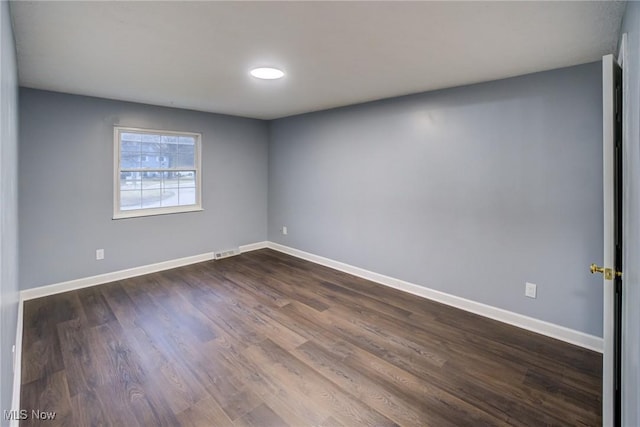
(264, 339)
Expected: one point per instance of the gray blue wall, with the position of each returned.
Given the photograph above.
(631, 278)
(8, 205)
(66, 188)
(506, 176)
(472, 191)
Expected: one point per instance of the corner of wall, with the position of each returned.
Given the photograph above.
(9, 307)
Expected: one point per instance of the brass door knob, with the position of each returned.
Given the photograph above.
(608, 272)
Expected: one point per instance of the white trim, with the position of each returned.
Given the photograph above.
(253, 247)
(17, 367)
(136, 213)
(608, 252)
(562, 333)
(57, 288)
(622, 55)
(535, 325)
(117, 170)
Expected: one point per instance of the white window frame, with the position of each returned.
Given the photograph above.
(117, 170)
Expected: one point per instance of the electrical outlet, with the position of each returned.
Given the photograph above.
(284, 230)
(530, 290)
(99, 254)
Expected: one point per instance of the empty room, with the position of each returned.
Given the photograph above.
(319, 213)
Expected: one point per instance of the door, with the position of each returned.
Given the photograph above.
(612, 267)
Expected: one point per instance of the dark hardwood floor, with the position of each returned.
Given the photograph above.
(264, 339)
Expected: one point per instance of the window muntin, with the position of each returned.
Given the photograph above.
(156, 172)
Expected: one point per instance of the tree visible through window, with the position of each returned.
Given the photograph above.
(157, 172)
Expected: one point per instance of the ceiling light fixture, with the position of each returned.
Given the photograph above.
(267, 73)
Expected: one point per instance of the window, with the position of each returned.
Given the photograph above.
(156, 172)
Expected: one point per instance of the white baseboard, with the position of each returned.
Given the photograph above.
(562, 333)
(545, 328)
(43, 291)
(535, 325)
(17, 366)
(253, 247)
(85, 282)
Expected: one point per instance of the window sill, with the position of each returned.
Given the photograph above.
(155, 212)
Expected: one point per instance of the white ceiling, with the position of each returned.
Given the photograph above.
(197, 55)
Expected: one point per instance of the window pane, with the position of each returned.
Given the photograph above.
(169, 197)
(187, 179)
(170, 139)
(171, 183)
(169, 147)
(129, 182)
(129, 136)
(186, 148)
(130, 200)
(187, 196)
(146, 137)
(129, 160)
(151, 180)
(147, 147)
(151, 198)
(149, 160)
(170, 159)
(130, 146)
(185, 160)
(150, 150)
(172, 180)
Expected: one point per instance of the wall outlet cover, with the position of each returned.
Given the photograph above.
(530, 290)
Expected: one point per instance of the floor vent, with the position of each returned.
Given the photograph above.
(227, 253)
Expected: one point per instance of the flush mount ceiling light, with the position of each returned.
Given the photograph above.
(267, 73)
